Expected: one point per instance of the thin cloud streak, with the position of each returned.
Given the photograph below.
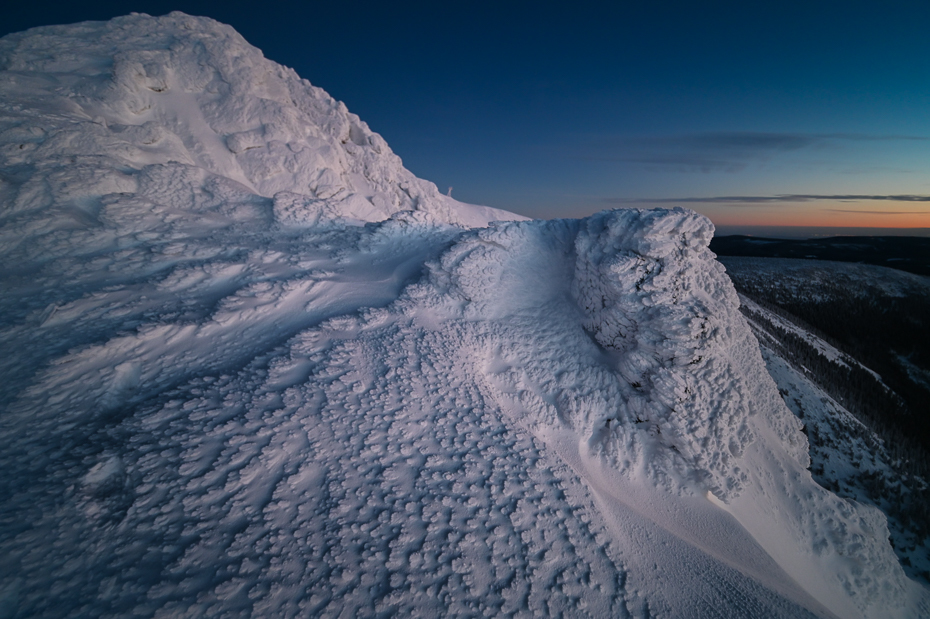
(840, 210)
(740, 141)
(865, 137)
(720, 151)
(761, 140)
(774, 199)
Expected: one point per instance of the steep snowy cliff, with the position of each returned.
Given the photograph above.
(253, 367)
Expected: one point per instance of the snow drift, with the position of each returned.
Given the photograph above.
(253, 367)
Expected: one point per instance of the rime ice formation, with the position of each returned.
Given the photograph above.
(253, 367)
(125, 109)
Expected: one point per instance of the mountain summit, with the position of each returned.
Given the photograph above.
(186, 100)
(254, 367)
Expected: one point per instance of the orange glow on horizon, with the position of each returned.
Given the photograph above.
(871, 216)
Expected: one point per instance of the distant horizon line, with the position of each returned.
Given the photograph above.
(801, 231)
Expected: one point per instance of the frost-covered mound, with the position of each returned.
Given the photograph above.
(219, 399)
(104, 120)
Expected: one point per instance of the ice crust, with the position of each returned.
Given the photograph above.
(253, 367)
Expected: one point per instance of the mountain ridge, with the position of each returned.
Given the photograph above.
(253, 367)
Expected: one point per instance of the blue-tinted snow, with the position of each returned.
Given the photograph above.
(253, 367)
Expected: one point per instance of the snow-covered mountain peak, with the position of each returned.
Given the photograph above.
(117, 97)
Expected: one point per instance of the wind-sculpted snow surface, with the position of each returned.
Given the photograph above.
(224, 394)
(654, 296)
(157, 108)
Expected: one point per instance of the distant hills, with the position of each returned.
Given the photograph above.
(911, 254)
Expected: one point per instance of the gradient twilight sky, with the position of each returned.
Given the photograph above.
(753, 113)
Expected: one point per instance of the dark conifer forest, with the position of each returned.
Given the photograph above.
(882, 377)
(906, 253)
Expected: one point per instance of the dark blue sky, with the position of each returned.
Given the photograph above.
(787, 113)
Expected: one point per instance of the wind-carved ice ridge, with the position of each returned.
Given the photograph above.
(254, 367)
(665, 313)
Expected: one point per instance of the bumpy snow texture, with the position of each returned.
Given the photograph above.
(253, 367)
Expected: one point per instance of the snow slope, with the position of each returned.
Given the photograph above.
(846, 455)
(850, 458)
(829, 351)
(253, 367)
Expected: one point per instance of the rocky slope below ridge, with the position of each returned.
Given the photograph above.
(222, 398)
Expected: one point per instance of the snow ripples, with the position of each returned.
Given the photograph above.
(224, 393)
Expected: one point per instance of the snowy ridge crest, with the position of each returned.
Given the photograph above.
(654, 297)
(624, 331)
(660, 359)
